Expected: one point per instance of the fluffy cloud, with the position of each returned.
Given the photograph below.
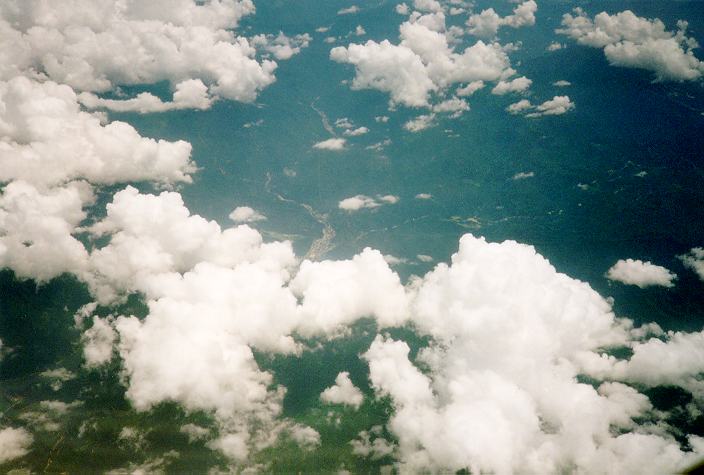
(189, 94)
(642, 274)
(98, 342)
(375, 449)
(14, 443)
(558, 105)
(349, 10)
(423, 62)
(94, 46)
(334, 144)
(634, 42)
(355, 203)
(36, 238)
(694, 260)
(487, 23)
(46, 139)
(213, 296)
(245, 214)
(672, 358)
(152, 235)
(282, 46)
(420, 123)
(343, 392)
(516, 85)
(356, 132)
(491, 399)
(337, 293)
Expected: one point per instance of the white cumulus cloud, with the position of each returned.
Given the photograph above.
(642, 274)
(634, 42)
(343, 392)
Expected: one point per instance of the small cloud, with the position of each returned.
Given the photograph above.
(421, 122)
(641, 174)
(381, 118)
(322, 29)
(356, 132)
(517, 85)
(245, 214)
(554, 46)
(562, 83)
(470, 88)
(343, 392)
(355, 203)
(348, 11)
(402, 9)
(523, 175)
(359, 31)
(583, 186)
(423, 196)
(390, 199)
(558, 105)
(694, 260)
(253, 124)
(394, 261)
(424, 258)
(641, 274)
(335, 144)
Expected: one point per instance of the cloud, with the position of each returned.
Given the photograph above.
(343, 392)
(281, 46)
(245, 214)
(642, 274)
(562, 83)
(46, 139)
(379, 448)
(402, 9)
(334, 144)
(523, 175)
(427, 6)
(356, 132)
(189, 94)
(666, 359)
(357, 202)
(420, 123)
(487, 23)
(555, 46)
(98, 342)
(152, 235)
(37, 229)
(423, 196)
(126, 43)
(694, 260)
(14, 443)
(470, 88)
(558, 105)
(520, 396)
(349, 10)
(423, 62)
(337, 293)
(454, 106)
(516, 85)
(634, 42)
(57, 377)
